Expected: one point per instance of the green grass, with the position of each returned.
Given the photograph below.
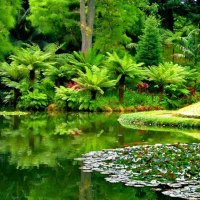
(159, 118)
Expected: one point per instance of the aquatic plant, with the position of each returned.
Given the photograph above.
(150, 165)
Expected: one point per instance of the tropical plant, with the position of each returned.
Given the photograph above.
(190, 46)
(33, 101)
(62, 71)
(79, 60)
(122, 68)
(34, 59)
(149, 49)
(166, 74)
(72, 98)
(13, 77)
(94, 80)
(59, 74)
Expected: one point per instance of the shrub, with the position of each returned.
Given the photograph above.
(33, 101)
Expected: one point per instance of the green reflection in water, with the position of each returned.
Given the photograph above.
(37, 152)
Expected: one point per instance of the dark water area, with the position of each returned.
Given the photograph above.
(37, 155)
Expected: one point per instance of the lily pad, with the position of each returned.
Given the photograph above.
(172, 168)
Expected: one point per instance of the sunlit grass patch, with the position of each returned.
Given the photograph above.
(190, 111)
(158, 118)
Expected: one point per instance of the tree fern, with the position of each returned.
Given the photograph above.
(94, 80)
(79, 60)
(34, 59)
(123, 67)
(166, 74)
(13, 76)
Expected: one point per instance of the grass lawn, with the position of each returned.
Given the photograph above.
(188, 117)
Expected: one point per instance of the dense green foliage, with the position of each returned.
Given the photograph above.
(42, 64)
(60, 16)
(8, 13)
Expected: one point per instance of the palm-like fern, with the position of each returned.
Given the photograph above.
(61, 72)
(94, 80)
(124, 67)
(12, 77)
(166, 74)
(13, 72)
(190, 46)
(90, 58)
(32, 58)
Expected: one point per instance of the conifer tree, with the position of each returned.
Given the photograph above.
(149, 49)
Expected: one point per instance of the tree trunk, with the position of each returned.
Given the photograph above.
(94, 94)
(16, 96)
(87, 25)
(170, 19)
(161, 91)
(32, 79)
(121, 89)
(90, 22)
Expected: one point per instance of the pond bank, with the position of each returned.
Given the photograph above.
(158, 118)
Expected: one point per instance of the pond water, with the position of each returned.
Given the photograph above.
(37, 154)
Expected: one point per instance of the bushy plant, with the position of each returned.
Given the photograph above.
(72, 99)
(168, 76)
(33, 101)
(14, 77)
(133, 98)
(34, 59)
(79, 60)
(46, 86)
(123, 67)
(94, 80)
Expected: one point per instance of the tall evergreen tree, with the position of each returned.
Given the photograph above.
(149, 49)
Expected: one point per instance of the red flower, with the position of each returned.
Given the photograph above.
(73, 85)
(70, 84)
(192, 91)
(143, 85)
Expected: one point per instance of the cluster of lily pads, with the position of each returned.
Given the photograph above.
(173, 169)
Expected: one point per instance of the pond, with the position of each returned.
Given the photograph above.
(38, 151)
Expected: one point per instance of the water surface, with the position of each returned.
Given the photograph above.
(37, 156)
